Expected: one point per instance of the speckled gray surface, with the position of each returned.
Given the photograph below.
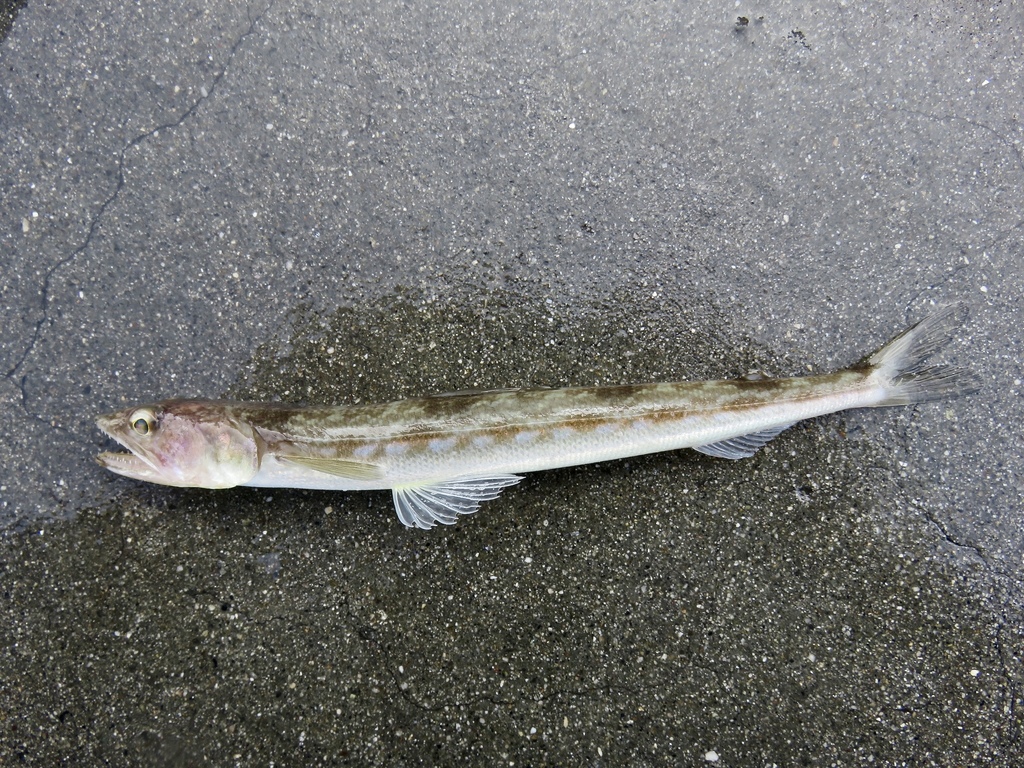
(331, 201)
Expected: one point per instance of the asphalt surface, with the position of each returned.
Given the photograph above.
(330, 202)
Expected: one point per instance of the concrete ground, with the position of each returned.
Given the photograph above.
(330, 202)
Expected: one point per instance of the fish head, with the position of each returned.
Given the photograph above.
(185, 443)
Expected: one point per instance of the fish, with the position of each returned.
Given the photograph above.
(442, 456)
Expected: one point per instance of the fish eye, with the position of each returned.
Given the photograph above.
(143, 421)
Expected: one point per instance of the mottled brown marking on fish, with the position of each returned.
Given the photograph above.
(617, 392)
(751, 385)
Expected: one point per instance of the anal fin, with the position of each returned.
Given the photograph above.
(742, 447)
(424, 506)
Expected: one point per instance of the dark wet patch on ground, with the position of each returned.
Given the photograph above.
(780, 609)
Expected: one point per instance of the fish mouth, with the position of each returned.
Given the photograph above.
(129, 464)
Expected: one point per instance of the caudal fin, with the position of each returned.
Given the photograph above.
(900, 365)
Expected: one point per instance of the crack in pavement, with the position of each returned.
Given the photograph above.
(1002, 139)
(950, 539)
(926, 513)
(44, 292)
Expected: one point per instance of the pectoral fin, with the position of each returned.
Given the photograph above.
(423, 506)
(742, 447)
(352, 470)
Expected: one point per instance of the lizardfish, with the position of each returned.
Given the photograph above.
(441, 456)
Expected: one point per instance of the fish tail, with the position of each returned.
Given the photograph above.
(900, 366)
